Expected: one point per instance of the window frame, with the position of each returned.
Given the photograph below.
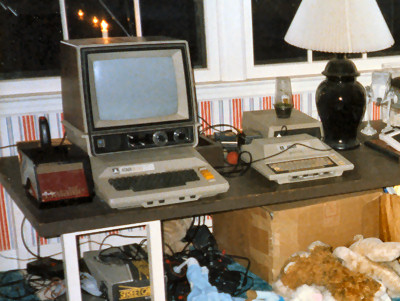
(211, 73)
(27, 86)
(231, 71)
(298, 69)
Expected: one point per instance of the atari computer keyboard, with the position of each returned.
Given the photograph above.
(155, 180)
(295, 158)
(155, 177)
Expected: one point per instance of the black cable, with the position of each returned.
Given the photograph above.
(245, 288)
(103, 256)
(63, 139)
(219, 125)
(189, 241)
(50, 256)
(242, 167)
(247, 268)
(209, 126)
(236, 170)
(290, 147)
(120, 235)
(140, 247)
(283, 131)
(170, 249)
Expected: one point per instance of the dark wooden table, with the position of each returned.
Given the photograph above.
(372, 170)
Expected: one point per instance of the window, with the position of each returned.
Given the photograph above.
(269, 55)
(31, 31)
(390, 10)
(271, 20)
(84, 18)
(29, 38)
(180, 19)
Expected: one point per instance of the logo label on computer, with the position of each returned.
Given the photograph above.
(128, 169)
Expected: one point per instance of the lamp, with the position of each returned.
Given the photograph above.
(341, 27)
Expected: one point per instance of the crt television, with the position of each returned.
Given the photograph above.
(128, 93)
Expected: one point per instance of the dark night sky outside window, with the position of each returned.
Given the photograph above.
(181, 19)
(30, 39)
(272, 18)
(390, 10)
(83, 27)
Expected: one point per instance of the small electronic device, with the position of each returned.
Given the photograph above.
(267, 124)
(121, 273)
(155, 177)
(54, 173)
(392, 138)
(295, 158)
(130, 104)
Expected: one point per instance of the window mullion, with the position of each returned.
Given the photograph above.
(231, 39)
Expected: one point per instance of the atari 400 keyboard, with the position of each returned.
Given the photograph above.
(295, 158)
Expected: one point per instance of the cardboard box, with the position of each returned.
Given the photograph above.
(269, 235)
(389, 217)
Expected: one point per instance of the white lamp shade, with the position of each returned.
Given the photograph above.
(340, 26)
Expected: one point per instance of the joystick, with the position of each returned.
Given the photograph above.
(45, 137)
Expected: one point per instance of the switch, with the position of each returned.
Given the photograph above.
(207, 174)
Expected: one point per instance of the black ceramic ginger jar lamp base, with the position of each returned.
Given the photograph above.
(341, 103)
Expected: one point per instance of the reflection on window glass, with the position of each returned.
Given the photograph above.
(30, 33)
(271, 20)
(84, 18)
(390, 10)
(181, 19)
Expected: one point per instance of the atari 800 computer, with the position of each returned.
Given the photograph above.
(130, 104)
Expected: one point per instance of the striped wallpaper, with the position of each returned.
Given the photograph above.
(24, 127)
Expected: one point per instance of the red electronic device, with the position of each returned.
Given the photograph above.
(54, 174)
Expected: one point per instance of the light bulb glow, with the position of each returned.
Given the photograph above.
(80, 14)
(104, 29)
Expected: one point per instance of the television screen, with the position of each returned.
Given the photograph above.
(137, 87)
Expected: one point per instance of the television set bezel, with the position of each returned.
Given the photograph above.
(154, 46)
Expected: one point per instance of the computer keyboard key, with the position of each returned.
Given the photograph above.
(155, 180)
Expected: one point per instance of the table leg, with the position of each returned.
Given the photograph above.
(155, 252)
(71, 267)
(156, 260)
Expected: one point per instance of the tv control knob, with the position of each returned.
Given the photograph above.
(160, 138)
(180, 135)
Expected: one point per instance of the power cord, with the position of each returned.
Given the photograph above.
(288, 148)
(119, 235)
(215, 126)
(237, 170)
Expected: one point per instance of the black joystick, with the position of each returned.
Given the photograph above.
(44, 129)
